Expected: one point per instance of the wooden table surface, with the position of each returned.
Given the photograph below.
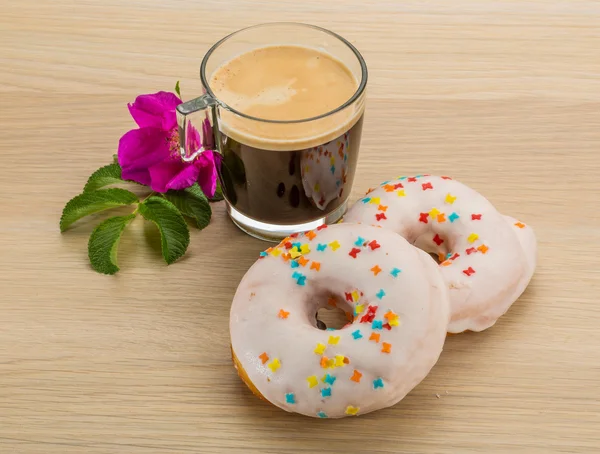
(503, 95)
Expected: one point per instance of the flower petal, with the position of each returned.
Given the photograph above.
(207, 176)
(142, 148)
(155, 110)
(142, 176)
(185, 178)
(162, 173)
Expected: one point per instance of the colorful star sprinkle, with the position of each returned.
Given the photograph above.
(305, 249)
(283, 314)
(476, 217)
(441, 218)
(359, 242)
(380, 294)
(378, 383)
(401, 193)
(356, 376)
(471, 250)
(326, 392)
(472, 238)
(321, 247)
(520, 225)
(453, 217)
(358, 309)
(355, 295)
(295, 253)
(426, 186)
(294, 264)
(366, 199)
(333, 340)
(274, 365)
(290, 398)
(352, 411)
(395, 272)
(339, 360)
(357, 334)
(302, 261)
(386, 348)
(315, 266)
(450, 199)
(329, 379)
(376, 270)
(322, 414)
(392, 318)
(380, 216)
(437, 239)
(300, 278)
(276, 252)
(424, 218)
(434, 213)
(312, 381)
(264, 357)
(324, 362)
(375, 201)
(377, 324)
(375, 337)
(311, 235)
(382, 207)
(335, 245)
(263, 254)
(469, 271)
(320, 348)
(354, 252)
(483, 248)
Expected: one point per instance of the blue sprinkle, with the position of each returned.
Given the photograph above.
(298, 245)
(366, 200)
(326, 392)
(294, 264)
(418, 176)
(356, 334)
(378, 383)
(321, 247)
(359, 242)
(453, 217)
(322, 414)
(332, 169)
(330, 379)
(448, 255)
(380, 294)
(385, 182)
(301, 280)
(331, 329)
(296, 275)
(402, 178)
(377, 324)
(395, 272)
(263, 254)
(290, 398)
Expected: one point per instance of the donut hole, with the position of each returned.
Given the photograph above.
(331, 318)
(435, 256)
(437, 246)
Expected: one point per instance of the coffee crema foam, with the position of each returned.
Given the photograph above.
(285, 83)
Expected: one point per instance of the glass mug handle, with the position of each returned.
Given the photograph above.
(196, 137)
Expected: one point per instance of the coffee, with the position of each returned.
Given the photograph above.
(287, 173)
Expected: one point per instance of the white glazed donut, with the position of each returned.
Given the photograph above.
(400, 307)
(486, 261)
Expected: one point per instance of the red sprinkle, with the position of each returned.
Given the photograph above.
(387, 326)
(288, 245)
(471, 250)
(446, 178)
(427, 186)
(469, 271)
(354, 252)
(411, 179)
(348, 296)
(398, 186)
(476, 217)
(380, 216)
(455, 256)
(321, 227)
(437, 240)
(294, 235)
(374, 245)
(424, 218)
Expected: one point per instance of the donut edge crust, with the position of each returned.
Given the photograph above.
(244, 376)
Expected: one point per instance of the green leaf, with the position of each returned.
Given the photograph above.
(104, 241)
(218, 194)
(104, 176)
(174, 233)
(93, 202)
(192, 203)
(177, 90)
(115, 158)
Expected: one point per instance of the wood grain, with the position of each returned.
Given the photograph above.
(503, 95)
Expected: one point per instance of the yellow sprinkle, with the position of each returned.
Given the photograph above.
(350, 410)
(320, 349)
(295, 253)
(333, 340)
(304, 249)
(323, 378)
(317, 187)
(274, 365)
(276, 252)
(355, 295)
(450, 198)
(375, 201)
(472, 238)
(312, 381)
(401, 193)
(394, 322)
(434, 212)
(334, 245)
(339, 360)
(359, 308)
(332, 160)
(330, 363)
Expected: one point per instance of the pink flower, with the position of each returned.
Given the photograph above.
(150, 155)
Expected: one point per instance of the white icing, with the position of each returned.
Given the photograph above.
(501, 273)
(417, 295)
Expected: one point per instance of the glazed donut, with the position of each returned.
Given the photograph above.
(399, 312)
(485, 258)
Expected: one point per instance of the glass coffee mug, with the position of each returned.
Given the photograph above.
(278, 176)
